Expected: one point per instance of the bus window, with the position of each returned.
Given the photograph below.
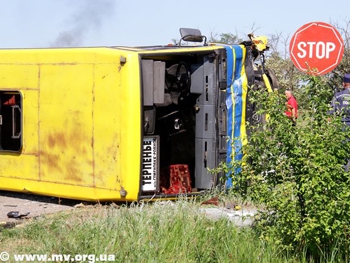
(10, 121)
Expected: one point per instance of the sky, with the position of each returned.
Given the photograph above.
(61, 23)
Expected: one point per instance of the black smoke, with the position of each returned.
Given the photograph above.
(89, 16)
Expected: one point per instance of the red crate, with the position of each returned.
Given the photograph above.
(180, 175)
(179, 179)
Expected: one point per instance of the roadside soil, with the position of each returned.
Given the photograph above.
(35, 205)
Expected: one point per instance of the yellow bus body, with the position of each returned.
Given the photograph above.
(81, 121)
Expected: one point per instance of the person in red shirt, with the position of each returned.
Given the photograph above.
(292, 106)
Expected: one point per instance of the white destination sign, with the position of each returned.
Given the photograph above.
(149, 168)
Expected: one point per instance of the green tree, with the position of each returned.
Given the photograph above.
(226, 38)
(297, 172)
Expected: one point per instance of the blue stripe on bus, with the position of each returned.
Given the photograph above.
(234, 105)
(238, 103)
(230, 66)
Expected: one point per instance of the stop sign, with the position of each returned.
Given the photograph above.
(316, 48)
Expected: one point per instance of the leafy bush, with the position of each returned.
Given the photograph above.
(297, 172)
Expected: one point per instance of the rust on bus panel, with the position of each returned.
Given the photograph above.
(73, 157)
(106, 164)
(64, 157)
(57, 139)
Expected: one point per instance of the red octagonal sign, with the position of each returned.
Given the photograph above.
(316, 48)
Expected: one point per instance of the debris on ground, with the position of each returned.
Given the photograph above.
(211, 201)
(17, 214)
(15, 206)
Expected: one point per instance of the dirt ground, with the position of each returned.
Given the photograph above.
(35, 205)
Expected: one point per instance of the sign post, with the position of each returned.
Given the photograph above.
(316, 48)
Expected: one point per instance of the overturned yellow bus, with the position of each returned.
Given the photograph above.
(109, 123)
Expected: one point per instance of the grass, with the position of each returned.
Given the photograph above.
(159, 232)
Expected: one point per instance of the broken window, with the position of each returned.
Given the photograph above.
(10, 121)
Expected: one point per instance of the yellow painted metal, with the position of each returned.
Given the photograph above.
(244, 137)
(267, 83)
(81, 122)
(81, 114)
